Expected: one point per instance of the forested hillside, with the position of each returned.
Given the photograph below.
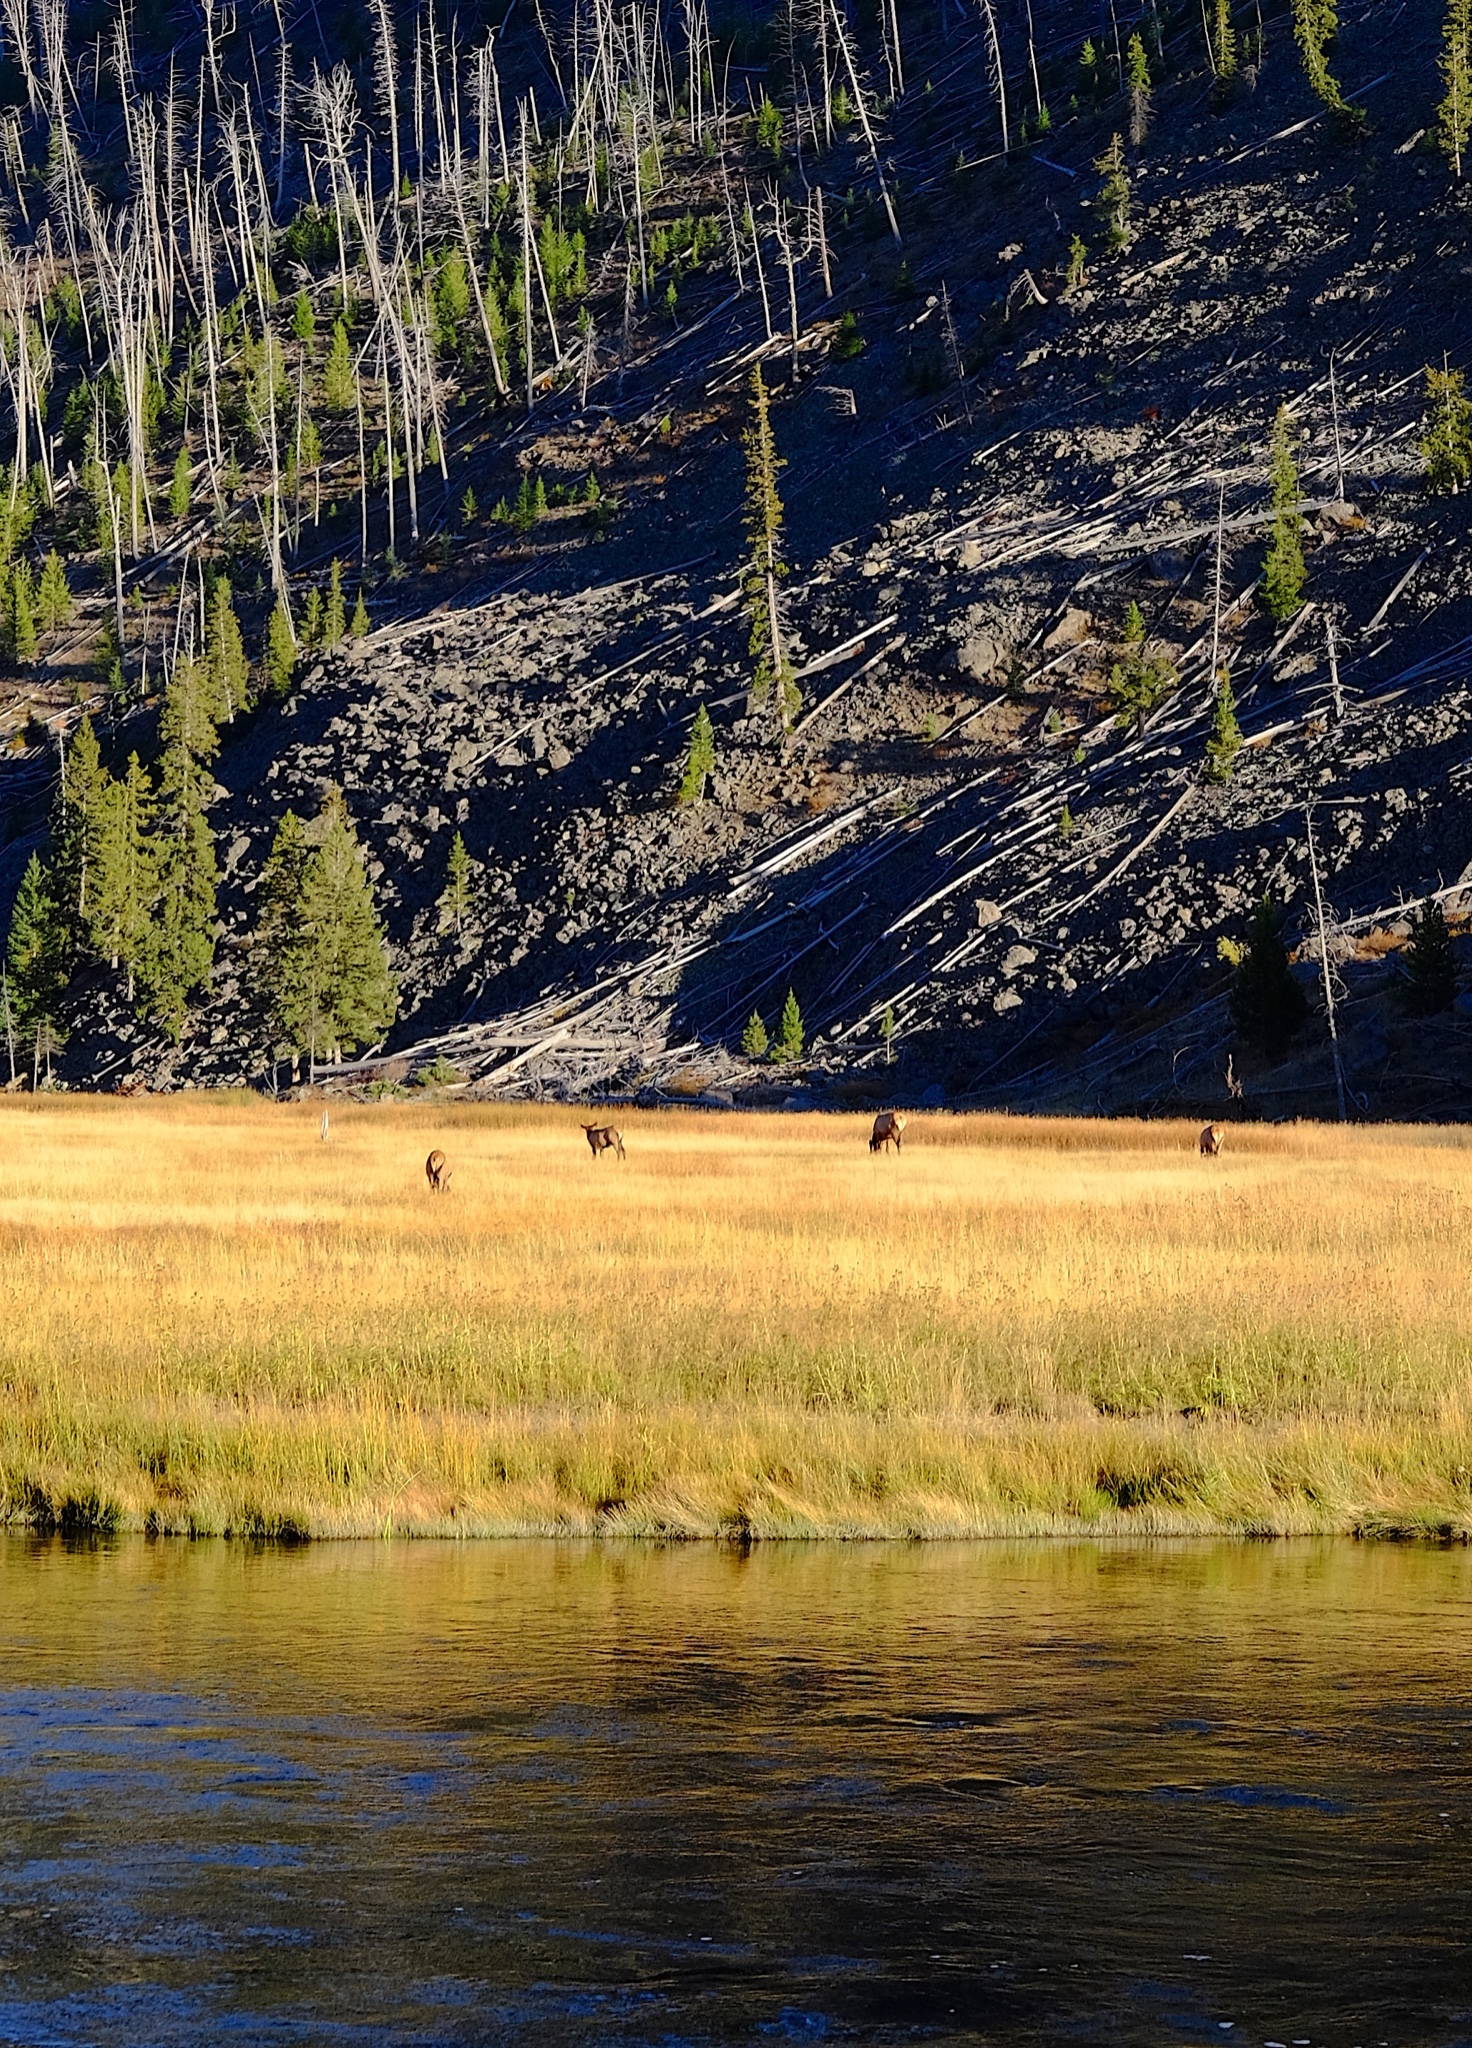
(847, 550)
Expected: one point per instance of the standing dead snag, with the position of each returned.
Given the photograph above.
(765, 566)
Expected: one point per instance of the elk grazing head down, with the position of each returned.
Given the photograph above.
(603, 1138)
(437, 1172)
(889, 1128)
(1211, 1140)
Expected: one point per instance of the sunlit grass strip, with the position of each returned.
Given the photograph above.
(211, 1321)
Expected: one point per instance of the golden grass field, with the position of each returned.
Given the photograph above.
(210, 1320)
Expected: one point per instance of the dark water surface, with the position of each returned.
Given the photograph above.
(531, 1793)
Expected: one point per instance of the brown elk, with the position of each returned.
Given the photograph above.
(437, 1172)
(1211, 1140)
(603, 1138)
(889, 1127)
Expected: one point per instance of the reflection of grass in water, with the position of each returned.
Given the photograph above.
(210, 1320)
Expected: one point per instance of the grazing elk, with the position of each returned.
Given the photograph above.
(1211, 1140)
(889, 1127)
(437, 1172)
(603, 1138)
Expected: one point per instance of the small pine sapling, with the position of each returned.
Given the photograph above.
(454, 903)
(1066, 825)
(303, 319)
(1226, 735)
(754, 1037)
(701, 760)
(886, 1032)
(334, 615)
(1283, 570)
(766, 127)
(280, 651)
(54, 598)
(1112, 201)
(1137, 79)
(21, 615)
(468, 509)
(1267, 1003)
(1138, 682)
(359, 625)
(1078, 256)
(181, 485)
(311, 632)
(788, 1042)
(1446, 444)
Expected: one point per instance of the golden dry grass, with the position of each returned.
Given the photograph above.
(211, 1320)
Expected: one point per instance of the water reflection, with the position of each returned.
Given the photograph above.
(541, 1793)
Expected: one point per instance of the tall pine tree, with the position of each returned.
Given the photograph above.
(1454, 115)
(76, 830)
(181, 943)
(1283, 569)
(765, 567)
(125, 886)
(322, 954)
(35, 964)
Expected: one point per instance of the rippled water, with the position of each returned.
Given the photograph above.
(537, 1793)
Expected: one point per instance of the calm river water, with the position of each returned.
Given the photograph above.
(530, 1793)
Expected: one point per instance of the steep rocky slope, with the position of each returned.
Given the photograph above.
(963, 553)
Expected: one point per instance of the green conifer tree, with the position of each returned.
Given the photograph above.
(21, 614)
(887, 1029)
(35, 970)
(788, 1043)
(1267, 1003)
(1431, 983)
(280, 653)
(1283, 569)
(1137, 80)
(1226, 735)
(54, 598)
(765, 565)
(1454, 115)
(1224, 45)
(701, 760)
(311, 628)
(1315, 28)
(121, 904)
(359, 626)
(226, 672)
(339, 383)
(454, 904)
(1078, 256)
(303, 319)
(1446, 444)
(754, 1037)
(76, 831)
(180, 949)
(334, 617)
(333, 990)
(1112, 201)
(1138, 682)
(181, 485)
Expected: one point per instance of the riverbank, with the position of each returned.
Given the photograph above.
(213, 1321)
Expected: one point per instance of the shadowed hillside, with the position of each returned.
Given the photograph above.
(987, 874)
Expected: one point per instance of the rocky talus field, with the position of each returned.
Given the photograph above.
(956, 838)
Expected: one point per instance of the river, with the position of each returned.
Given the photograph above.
(537, 1793)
